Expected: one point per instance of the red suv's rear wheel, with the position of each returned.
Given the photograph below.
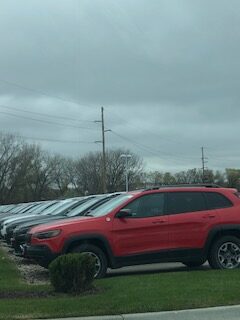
(225, 253)
(97, 254)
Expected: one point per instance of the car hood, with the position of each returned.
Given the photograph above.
(41, 220)
(23, 217)
(60, 224)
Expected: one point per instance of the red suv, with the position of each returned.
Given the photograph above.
(188, 224)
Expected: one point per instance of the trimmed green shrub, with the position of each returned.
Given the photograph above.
(72, 273)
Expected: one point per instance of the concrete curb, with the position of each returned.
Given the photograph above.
(214, 313)
(116, 317)
(219, 313)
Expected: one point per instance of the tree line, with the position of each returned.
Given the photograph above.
(28, 173)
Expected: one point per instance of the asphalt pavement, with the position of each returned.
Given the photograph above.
(154, 268)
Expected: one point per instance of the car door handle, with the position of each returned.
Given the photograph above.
(209, 216)
(159, 221)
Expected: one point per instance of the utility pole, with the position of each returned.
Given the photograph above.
(104, 188)
(103, 155)
(203, 165)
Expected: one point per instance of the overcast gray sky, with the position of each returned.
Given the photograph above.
(166, 71)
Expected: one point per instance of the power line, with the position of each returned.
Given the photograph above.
(223, 157)
(54, 140)
(41, 92)
(44, 121)
(141, 129)
(174, 158)
(43, 114)
(156, 136)
(155, 151)
(135, 143)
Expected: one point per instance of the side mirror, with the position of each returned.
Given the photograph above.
(124, 213)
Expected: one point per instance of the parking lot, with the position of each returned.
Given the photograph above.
(33, 273)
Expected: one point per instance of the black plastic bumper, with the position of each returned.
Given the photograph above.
(41, 253)
(18, 241)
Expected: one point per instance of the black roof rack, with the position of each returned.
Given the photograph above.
(187, 185)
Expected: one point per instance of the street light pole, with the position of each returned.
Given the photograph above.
(126, 156)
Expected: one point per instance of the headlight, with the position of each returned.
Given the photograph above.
(47, 234)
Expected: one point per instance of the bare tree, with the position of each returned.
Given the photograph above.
(157, 178)
(89, 171)
(189, 176)
(10, 148)
(39, 176)
(116, 170)
(233, 178)
(220, 178)
(27, 173)
(62, 175)
(88, 174)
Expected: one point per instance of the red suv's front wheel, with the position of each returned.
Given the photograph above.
(97, 254)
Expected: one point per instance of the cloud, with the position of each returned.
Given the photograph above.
(167, 73)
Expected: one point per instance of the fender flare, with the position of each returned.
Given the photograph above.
(91, 236)
(221, 231)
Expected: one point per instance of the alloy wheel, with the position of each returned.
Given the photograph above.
(97, 260)
(229, 255)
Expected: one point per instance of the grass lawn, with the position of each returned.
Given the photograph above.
(123, 294)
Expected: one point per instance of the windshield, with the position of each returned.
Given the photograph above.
(29, 208)
(54, 207)
(13, 210)
(64, 206)
(41, 207)
(32, 208)
(110, 205)
(83, 206)
(22, 208)
(7, 208)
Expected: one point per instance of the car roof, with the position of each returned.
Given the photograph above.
(184, 187)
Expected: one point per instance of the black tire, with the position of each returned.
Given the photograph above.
(193, 264)
(101, 260)
(225, 253)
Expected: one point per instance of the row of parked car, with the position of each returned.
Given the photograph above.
(16, 220)
(188, 224)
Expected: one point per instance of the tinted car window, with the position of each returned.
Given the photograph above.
(147, 206)
(216, 200)
(180, 202)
